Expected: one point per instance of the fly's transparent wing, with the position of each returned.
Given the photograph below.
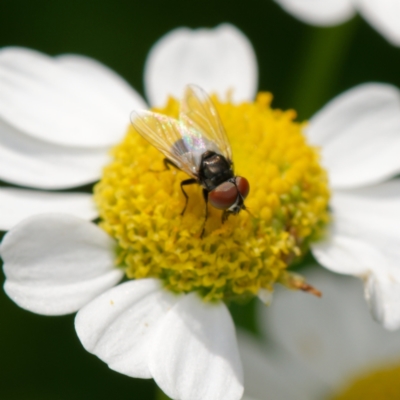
(167, 135)
(200, 115)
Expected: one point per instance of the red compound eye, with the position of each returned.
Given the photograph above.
(243, 186)
(226, 194)
(223, 196)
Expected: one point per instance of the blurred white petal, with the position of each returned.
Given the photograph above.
(218, 60)
(117, 326)
(54, 264)
(194, 353)
(382, 290)
(358, 133)
(334, 336)
(18, 204)
(272, 376)
(69, 104)
(27, 161)
(319, 12)
(384, 16)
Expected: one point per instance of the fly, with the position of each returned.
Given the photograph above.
(197, 144)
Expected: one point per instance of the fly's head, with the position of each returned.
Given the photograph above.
(230, 196)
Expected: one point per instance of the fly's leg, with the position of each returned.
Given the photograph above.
(184, 183)
(167, 164)
(205, 195)
(225, 215)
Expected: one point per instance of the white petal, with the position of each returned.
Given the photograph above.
(359, 132)
(335, 335)
(364, 233)
(364, 240)
(112, 85)
(382, 291)
(69, 105)
(195, 354)
(218, 60)
(27, 161)
(117, 326)
(384, 16)
(18, 204)
(54, 263)
(319, 12)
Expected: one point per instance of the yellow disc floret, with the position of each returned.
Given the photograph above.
(381, 384)
(140, 205)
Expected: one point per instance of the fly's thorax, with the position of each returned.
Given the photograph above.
(288, 203)
(214, 170)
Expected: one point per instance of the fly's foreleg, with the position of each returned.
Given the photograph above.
(225, 215)
(205, 195)
(185, 183)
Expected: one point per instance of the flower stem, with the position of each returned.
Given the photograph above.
(319, 66)
(244, 315)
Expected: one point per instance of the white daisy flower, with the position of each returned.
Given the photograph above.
(195, 349)
(171, 322)
(59, 116)
(383, 15)
(327, 349)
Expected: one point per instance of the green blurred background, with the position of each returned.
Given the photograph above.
(41, 357)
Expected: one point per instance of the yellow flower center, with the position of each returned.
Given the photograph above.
(140, 205)
(382, 384)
